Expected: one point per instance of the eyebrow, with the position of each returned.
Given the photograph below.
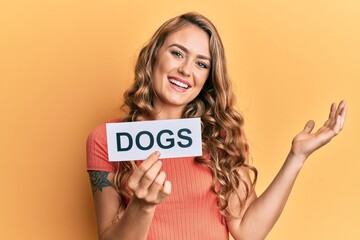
(187, 51)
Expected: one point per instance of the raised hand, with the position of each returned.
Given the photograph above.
(148, 183)
(306, 142)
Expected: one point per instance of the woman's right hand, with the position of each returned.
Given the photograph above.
(149, 184)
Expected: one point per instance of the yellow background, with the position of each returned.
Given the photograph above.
(64, 66)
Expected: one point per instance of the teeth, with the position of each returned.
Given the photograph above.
(178, 83)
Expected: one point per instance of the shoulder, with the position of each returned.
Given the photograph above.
(96, 149)
(98, 134)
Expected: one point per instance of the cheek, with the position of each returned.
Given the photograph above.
(158, 71)
(165, 64)
(202, 77)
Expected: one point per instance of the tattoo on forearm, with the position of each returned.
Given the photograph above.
(98, 180)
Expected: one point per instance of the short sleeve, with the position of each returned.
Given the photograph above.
(96, 151)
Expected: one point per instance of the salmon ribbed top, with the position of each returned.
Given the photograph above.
(189, 212)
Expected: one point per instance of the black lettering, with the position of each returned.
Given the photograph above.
(137, 140)
(189, 140)
(169, 140)
(118, 141)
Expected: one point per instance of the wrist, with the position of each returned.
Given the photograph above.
(141, 206)
(297, 160)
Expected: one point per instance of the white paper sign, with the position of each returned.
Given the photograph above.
(137, 140)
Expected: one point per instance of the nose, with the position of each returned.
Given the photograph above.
(185, 69)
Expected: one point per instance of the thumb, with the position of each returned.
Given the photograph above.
(309, 126)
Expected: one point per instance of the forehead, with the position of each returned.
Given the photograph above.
(193, 38)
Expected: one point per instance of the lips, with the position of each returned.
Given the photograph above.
(178, 82)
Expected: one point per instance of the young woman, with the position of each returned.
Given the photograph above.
(181, 73)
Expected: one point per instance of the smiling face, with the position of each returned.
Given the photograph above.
(181, 68)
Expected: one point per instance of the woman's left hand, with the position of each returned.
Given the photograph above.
(306, 142)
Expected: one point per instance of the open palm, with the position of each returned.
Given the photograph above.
(306, 142)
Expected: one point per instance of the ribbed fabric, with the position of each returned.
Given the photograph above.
(190, 212)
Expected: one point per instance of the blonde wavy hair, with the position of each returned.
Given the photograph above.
(222, 126)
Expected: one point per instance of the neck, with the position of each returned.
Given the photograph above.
(163, 112)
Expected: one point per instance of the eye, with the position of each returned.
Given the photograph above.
(202, 65)
(177, 54)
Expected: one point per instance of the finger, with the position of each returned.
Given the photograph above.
(157, 185)
(142, 169)
(340, 107)
(150, 175)
(336, 126)
(165, 192)
(331, 115)
(309, 126)
(338, 111)
(343, 117)
(332, 110)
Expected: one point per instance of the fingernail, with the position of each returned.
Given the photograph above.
(157, 153)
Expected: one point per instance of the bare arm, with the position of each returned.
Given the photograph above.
(150, 188)
(261, 214)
